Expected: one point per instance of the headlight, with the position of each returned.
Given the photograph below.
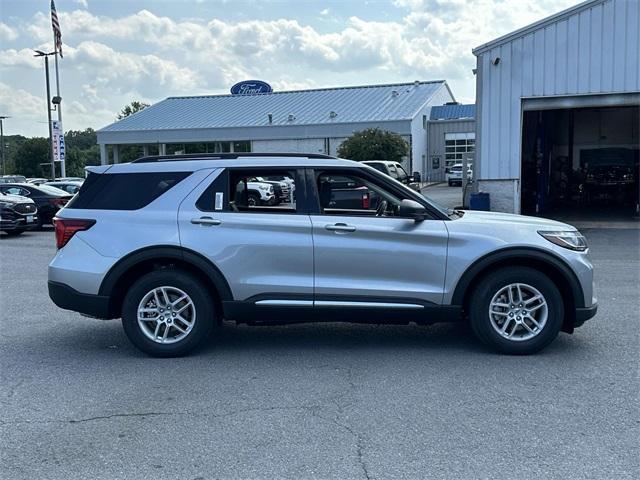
(573, 240)
(5, 204)
(263, 187)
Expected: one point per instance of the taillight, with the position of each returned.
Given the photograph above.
(67, 228)
(58, 202)
(365, 201)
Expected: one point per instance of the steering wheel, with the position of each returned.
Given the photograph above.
(382, 207)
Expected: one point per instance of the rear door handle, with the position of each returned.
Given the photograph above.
(208, 221)
(340, 227)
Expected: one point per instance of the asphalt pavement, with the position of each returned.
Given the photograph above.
(316, 401)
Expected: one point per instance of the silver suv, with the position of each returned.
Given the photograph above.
(174, 246)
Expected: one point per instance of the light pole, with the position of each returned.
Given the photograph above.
(4, 162)
(40, 53)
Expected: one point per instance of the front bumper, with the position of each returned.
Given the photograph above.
(17, 222)
(70, 299)
(585, 313)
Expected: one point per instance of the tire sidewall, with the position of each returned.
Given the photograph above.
(203, 303)
(490, 285)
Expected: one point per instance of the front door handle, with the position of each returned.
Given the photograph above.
(208, 221)
(340, 227)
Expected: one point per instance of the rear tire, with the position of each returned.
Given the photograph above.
(516, 310)
(171, 327)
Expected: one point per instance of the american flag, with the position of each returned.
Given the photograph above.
(57, 34)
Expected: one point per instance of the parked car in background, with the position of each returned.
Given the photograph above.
(396, 170)
(12, 179)
(166, 244)
(36, 181)
(254, 192)
(68, 186)
(454, 175)
(48, 199)
(17, 214)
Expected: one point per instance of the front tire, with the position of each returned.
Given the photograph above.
(168, 313)
(516, 310)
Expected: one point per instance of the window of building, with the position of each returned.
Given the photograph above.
(456, 145)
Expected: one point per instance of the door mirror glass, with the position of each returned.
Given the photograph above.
(412, 209)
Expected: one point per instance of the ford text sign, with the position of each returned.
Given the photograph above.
(251, 87)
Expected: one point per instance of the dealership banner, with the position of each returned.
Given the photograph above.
(58, 141)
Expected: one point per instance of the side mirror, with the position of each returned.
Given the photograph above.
(415, 186)
(417, 177)
(412, 209)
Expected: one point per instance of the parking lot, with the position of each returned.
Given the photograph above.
(316, 401)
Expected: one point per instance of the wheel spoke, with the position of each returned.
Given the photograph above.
(166, 331)
(176, 302)
(505, 325)
(499, 304)
(526, 325)
(155, 333)
(536, 307)
(519, 293)
(179, 328)
(533, 299)
(183, 320)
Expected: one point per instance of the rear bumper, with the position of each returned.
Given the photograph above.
(584, 314)
(70, 299)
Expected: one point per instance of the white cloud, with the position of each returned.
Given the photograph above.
(7, 33)
(83, 3)
(324, 11)
(110, 61)
(21, 104)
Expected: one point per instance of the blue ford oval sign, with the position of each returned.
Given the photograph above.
(251, 87)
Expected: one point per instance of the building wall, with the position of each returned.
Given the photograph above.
(419, 140)
(436, 131)
(300, 145)
(589, 51)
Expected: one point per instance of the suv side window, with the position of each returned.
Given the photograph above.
(342, 193)
(264, 191)
(393, 172)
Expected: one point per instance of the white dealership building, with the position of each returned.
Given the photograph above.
(306, 121)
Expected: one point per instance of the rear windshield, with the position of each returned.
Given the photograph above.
(52, 190)
(124, 191)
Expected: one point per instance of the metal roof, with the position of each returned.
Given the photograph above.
(537, 25)
(327, 106)
(453, 112)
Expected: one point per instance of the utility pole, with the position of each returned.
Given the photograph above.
(2, 152)
(46, 73)
(63, 169)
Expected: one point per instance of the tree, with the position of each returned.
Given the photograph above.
(133, 107)
(30, 154)
(374, 144)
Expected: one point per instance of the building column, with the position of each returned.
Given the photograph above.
(116, 154)
(145, 150)
(104, 156)
(162, 149)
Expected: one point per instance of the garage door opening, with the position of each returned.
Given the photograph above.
(581, 164)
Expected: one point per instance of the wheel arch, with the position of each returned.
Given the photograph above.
(131, 267)
(549, 264)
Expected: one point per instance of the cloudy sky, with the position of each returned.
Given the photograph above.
(116, 51)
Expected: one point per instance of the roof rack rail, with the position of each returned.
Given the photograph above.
(223, 156)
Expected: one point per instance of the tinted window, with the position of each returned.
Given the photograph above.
(378, 166)
(124, 191)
